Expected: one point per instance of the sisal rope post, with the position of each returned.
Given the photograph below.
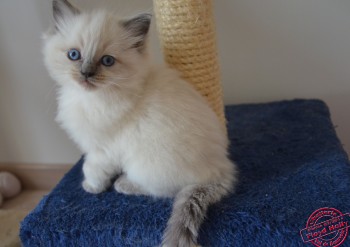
(187, 34)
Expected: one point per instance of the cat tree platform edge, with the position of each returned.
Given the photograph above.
(291, 163)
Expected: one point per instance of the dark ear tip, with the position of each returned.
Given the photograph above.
(56, 9)
(138, 24)
(145, 17)
(56, 3)
(59, 6)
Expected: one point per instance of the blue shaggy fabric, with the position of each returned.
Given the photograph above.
(291, 164)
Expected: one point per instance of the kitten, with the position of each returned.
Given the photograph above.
(134, 119)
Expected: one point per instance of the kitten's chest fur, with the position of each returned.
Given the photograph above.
(91, 122)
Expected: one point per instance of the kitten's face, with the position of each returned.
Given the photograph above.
(96, 50)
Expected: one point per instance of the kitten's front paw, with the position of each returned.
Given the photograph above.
(92, 189)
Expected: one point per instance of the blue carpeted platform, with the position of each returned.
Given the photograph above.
(291, 163)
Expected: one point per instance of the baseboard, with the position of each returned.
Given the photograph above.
(36, 176)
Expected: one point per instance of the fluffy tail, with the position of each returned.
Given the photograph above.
(189, 210)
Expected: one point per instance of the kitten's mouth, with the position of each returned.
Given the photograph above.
(87, 84)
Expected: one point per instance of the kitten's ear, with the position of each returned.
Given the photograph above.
(63, 10)
(137, 28)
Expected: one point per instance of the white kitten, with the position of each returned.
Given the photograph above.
(135, 119)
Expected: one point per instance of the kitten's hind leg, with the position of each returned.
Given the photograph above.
(125, 186)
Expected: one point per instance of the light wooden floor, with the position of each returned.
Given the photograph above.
(37, 181)
(13, 211)
(26, 200)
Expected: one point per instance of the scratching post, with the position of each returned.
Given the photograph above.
(187, 35)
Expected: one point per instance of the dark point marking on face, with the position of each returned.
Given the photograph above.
(88, 69)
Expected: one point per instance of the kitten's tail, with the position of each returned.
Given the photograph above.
(189, 210)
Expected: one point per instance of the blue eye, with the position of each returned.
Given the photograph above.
(107, 60)
(74, 54)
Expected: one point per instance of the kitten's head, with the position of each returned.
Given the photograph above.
(96, 50)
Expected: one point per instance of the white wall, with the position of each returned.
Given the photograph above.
(269, 50)
(280, 49)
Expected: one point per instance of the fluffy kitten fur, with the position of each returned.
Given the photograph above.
(136, 120)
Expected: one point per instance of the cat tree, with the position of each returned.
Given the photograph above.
(290, 160)
(187, 34)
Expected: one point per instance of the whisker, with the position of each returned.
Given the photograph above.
(120, 78)
(121, 86)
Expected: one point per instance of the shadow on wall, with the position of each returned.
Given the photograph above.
(339, 106)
